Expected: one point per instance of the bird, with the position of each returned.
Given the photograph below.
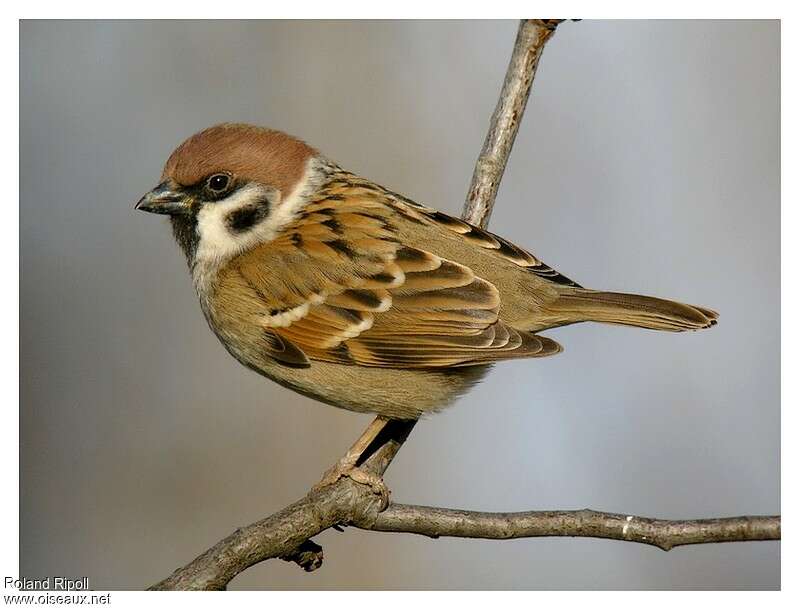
(354, 295)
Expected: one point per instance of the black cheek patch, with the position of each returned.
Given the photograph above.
(247, 217)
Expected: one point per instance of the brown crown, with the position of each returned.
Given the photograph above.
(246, 151)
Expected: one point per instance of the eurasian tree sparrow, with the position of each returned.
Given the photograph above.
(347, 292)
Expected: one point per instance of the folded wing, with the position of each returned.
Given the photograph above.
(358, 296)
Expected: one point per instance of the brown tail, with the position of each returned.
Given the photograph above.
(579, 305)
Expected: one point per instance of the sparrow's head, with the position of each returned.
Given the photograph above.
(230, 186)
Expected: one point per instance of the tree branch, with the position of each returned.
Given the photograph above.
(287, 534)
(279, 535)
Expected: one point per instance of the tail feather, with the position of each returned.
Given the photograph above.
(630, 310)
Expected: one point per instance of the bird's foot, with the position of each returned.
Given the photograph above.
(346, 467)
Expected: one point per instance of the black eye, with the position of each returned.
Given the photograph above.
(218, 183)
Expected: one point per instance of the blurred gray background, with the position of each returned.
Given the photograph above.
(648, 161)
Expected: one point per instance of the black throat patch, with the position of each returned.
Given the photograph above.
(184, 228)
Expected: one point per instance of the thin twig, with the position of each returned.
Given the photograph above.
(531, 38)
(662, 533)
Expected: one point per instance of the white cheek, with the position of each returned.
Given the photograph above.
(217, 244)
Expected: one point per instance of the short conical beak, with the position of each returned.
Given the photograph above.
(166, 198)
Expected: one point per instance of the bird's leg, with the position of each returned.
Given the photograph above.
(347, 465)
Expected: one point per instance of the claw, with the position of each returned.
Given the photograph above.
(346, 468)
